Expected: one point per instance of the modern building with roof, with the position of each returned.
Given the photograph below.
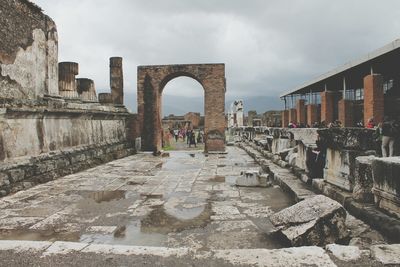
(361, 89)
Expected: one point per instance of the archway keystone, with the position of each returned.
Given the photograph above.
(151, 81)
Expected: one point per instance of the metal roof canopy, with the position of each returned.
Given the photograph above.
(385, 61)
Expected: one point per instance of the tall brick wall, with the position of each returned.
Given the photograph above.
(373, 98)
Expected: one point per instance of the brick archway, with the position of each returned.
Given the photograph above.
(151, 81)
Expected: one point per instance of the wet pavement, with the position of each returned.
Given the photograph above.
(184, 200)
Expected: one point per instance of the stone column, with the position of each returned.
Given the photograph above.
(66, 79)
(105, 99)
(373, 98)
(346, 113)
(285, 118)
(292, 115)
(301, 111)
(117, 80)
(86, 90)
(327, 98)
(312, 114)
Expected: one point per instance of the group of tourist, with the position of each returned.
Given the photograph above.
(191, 136)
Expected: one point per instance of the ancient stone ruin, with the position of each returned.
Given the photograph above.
(51, 123)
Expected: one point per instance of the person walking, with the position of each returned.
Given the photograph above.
(176, 134)
(389, 133)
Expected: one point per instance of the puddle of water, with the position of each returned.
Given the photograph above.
(159, 221)
(218, 179)
(39, 235)
(107, 196)
(131, 234)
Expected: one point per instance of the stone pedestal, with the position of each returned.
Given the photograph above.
(340, 166)
(373, 98)
(386, 186)
(363, 181)
(66, 79)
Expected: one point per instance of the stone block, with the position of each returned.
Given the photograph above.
(386, 185)
(251, 179)
(387, 254)
(316, 220)
(363, 180)
(340, 166)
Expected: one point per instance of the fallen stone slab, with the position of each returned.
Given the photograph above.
(316, 220)
(387, 254)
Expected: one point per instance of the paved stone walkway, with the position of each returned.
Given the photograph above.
(184, 200)
(142, 210)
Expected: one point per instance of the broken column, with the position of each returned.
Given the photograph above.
(373, 98)
(86, 90)
(116, 80)
(317, 220)
(66, 79)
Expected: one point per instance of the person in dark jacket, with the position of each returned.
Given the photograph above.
(390, 132)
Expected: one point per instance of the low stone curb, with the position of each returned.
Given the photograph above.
(290, 183)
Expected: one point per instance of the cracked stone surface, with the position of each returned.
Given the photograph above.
(185, 200)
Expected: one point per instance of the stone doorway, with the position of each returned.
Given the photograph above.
(151, 82)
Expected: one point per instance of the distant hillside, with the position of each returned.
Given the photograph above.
(180, 105)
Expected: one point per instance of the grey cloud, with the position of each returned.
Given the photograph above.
(268, 46)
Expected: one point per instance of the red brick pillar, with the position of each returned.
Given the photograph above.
(301, 111)
(346, 113)
(285, 118)
(373, 98)
(292, 115)
(312, 114)
(327, 106)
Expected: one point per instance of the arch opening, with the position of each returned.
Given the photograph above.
(182, 113)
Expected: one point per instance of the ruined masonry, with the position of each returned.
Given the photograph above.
(51, 123)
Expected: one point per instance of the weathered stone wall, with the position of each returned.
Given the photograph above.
(28, 51)
(45, 134)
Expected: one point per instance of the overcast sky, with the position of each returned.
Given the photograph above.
(268, 46)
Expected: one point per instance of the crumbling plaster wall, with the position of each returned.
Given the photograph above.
(28, 51)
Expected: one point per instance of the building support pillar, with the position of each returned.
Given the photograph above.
(66, 79)
(346, 116)
(327, 99)
(285, 118)
(301, 111)
(117, 80)
(312, 114)
(292, 115)
(374, 103)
